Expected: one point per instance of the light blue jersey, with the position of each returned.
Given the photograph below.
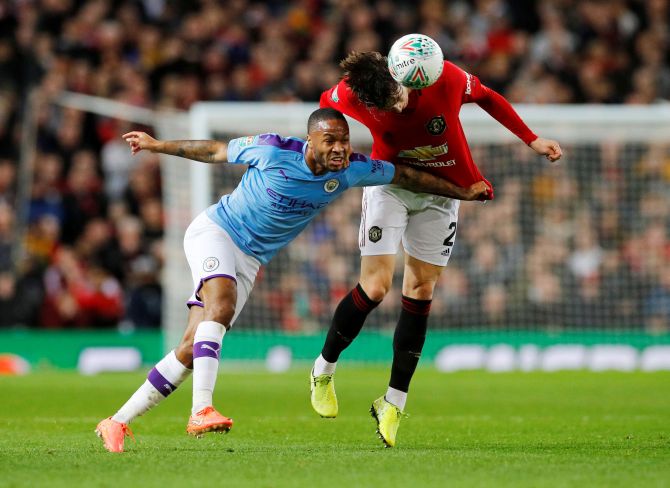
(279, 195)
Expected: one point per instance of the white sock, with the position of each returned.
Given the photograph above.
(396, 397)
(206, 347)
(162, 380)
(321, 366)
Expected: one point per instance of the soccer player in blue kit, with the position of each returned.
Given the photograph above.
(288, 182)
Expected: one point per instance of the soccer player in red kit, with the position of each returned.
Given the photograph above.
(420, 128)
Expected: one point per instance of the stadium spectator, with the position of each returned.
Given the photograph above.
(6, 237)
(79, 294)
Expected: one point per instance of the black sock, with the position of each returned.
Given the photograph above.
(410, 334)
(347, 323)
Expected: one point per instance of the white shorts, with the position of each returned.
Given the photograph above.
(425, 223)
(211, 253)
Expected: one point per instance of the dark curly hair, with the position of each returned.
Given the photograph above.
(368, 77)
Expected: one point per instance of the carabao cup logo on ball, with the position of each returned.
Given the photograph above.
(415, 61)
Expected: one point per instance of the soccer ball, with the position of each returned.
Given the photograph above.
(415, 61)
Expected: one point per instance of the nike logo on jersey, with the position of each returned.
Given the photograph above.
(281, 172)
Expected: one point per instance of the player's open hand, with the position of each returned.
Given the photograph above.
(547, 147)
(479, 191)
(140, 140)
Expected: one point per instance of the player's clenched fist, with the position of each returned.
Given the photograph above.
(478, 191)
(547, 147)
(140, 140)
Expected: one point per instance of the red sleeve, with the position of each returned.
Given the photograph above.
(325, 101)
(340, 97)
(498, 107)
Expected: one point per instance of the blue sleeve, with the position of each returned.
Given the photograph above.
(364, 171)
(245, 150)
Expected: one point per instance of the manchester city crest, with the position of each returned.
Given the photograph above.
(210, 264)
(436, 125)
(331, 185)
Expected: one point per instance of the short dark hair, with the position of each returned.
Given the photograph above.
(368, 76)
(323, 114)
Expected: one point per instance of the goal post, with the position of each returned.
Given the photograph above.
(564, 251)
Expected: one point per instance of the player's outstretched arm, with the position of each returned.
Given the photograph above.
(420, 181)
(501, 110)
(547, 147)
(205, 151)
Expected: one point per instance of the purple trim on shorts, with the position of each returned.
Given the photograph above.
(192, 303)
(206, 349)
(160, 382)
(207, 278)
(280, 142)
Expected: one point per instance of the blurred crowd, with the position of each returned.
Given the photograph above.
(584, 244)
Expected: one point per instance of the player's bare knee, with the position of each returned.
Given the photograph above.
(221, 312)
(220, 298)
(420, 290)
(376, 290)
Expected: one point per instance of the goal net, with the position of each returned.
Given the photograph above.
(579, 247)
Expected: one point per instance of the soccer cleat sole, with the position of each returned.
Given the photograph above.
(373, 412)
(326, 416)
(216, 429)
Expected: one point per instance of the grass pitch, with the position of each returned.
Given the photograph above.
(466, 429)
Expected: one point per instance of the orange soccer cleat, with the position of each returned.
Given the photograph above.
(208, 420)
(113, 434)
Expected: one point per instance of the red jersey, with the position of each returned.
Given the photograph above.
(428, 134)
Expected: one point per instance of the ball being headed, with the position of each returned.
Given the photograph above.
(415, 61)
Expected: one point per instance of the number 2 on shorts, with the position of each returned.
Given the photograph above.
(448, 241)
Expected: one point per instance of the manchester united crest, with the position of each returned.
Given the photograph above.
(375, 233)
(436, 125)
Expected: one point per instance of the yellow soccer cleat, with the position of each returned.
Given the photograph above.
(113, 434)
(388, 418)
(208, 420)
(324, 400)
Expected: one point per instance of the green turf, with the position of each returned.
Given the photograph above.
(466, 429)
